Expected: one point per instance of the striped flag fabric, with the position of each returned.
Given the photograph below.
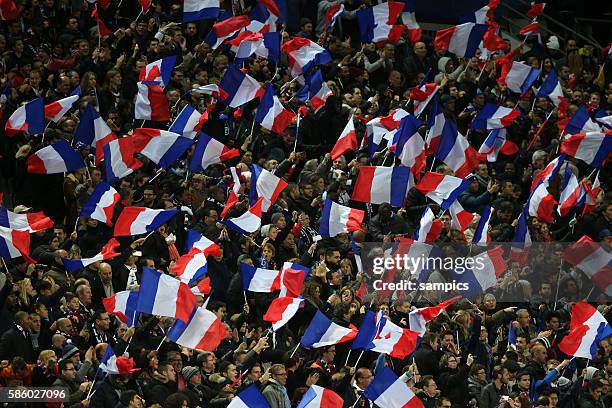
(140, 220)
(201, 331)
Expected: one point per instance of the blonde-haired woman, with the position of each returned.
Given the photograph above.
(26, 293)
(44, 372)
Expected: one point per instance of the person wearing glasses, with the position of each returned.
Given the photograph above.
(67, 379)
(453, 378)
(275, 392)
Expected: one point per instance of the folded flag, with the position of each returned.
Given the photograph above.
(201, 331)
(271, 114)
(225, 29)
(389, 391)
(14, 244)
(512, 336)
(421, 95)
(409, 146)
(409, 20)
(188, 122)
(195, 10)
(587, 328)
(191, 267)
(31, 221)
(531, 28)
(488, 267)
(339, 219)
(59, 157)
(108, 364)
(323, 332)
(292, 277)
(347, 142)
(331, 16)
(435, 126)
(460, 218)
(239, 87)
(151, 103)
(518, 77)
(377, 23)
(265, 45)
(211, 89)
(541, 203)
(304, 54)
(119, 160)
(248, 222)
(281, 310)
(379, 334)
(209, 151)
(202, 288)
(377, 185)
(123, 305)
(232, 198)
(581, 122)
(54, 111)
(519, 250)
(591, 194)
(108, 251)
(443, 189)
(319, 397)
(163, 295)
(93, 131)
(27, 118)
(250, 397)
(594, 260)
(314, 90)
(429, 227)
(594, 148)
(462, 40)
(263, 20)
(455, 150)
(418, 318)
(140, 220)
(481, 234)
(158, 71)
(492, 116)
(571, 194)
(497, 143)
(160, 146)
(266, 185)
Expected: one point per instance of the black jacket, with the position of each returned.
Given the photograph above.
(14, 343)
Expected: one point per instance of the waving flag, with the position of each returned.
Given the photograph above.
(8, 10)
(123, 305)
(587, 328)
(492, 116)
(497, 143)
(240, 87)
(271, 114)
(250, 397)
(581, 122)
(191, 267)
(429, 227)
(259, 279)
(462, 40)
(409, 20)
(594, 148)
(315, 90)
(248, 222)
(571, 193)
(140, 220)
(292, 277)
(512, 337)
(304, 54)
(263, 20)
(209, 151)
(549, 172)
(382, 129)
(93, 131)
(594, 260)
(202, 288)
(164, 295)
(455, 150)
(119, 160)
(108, 251)
(31, 222)
(281, 310)
(339, 219)
(56, 158)
(418, 319)
(409, 145)
(108, 364)
(519, 250)
(158, 71)
(531, 28)
(211, 89)
(160, 146)
(492, 41)
(541, 203)
(435, 124)
(377, 23)
(27, 118)
(319, 397)
(591, 194)
(377, 185)
(188, 122)
(389, 391)
(224, 29)
(265, 45)
(518, 77)
(347, 141)
(460, 218)
(14, 244)
(551, 88)
(379, 334)
(198, 241)
(232, 198)
(331, 16)
(443, 189)
(421, 95)
(195, 10)
(323, 332)
(151, 103)
(201, 331)
(536, 9)
(266, 185)
(481, 236)
(56, 110)
(488, 267)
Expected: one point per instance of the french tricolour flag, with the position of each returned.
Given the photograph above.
(123, 305)
(594, 148)
(59, 157)
(14, 244)
(570, 195)
(379, 334)
(108, 364)
(194, 10)
(164, 295)
(429, 227)
(292, 277)
(31, 222)
(455, 150)
(188, 122)
(551, 88)
(435, 124)
(497, 143)
(536, 9)
(323, 332)
(209, 151)
(378, 23)
(258, 279)
(591, 194)
(382, 129)
(339, 219)
(594, 260)
(201, 331)
(518, 77)
(191, 267)
(347, 141)
(462, 40)
(151, 103)
(409, 20)
(266, 185)
(331, 16)
(421, 95)
(265, 45)
(304, 54)
(460, 218)
(409, 145)
(119, 160)
(549, 172)
(263, 19)
(389, 391)
(27, 118)
(196, 240)
(271, 114)
(319, 397)
(481, 234)
(158, 71)
(251, 397)
(314, 90)
(377, 185)
(443, 189)
(108, 251)
(224, 29)
(587, 328)
(281, 310)
(418, 319)
(140, 220)
(492, 116)
(211, 89)
(202, 288)
(488, 267)
(239, 87)
(54, 111)
(248, 222)
(581, 122)
(541, 203)
(93, 131)
(160, 146)
(519, 250)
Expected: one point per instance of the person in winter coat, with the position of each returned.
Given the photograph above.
(67, 379)
(476, 382)
(275, 392)
(593, 399)
(492, 392)
(162, 384)
(453, 378)
(428, 355)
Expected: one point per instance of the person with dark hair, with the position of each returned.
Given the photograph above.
(593, 398)
(386, 222)
(17, 341)
(428, 354)
(67, 379)
(492, 392)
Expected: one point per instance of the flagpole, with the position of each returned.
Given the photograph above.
(294, 350)
(297, 131)
(160, 344)
(347, 357)
(156, 174)
(558, 283)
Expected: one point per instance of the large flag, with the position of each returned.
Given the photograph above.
(587, 328)
(377, 23)
(202, 331)
(377, 185)
(323, 332)
(140, 220)
(594, 260)
(163, 295)
(389, 391)
(59, 157)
